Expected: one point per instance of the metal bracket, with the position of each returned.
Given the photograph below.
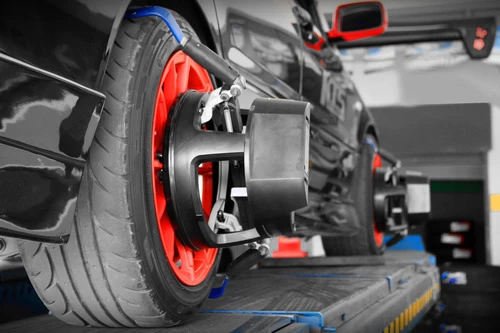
(218, 96)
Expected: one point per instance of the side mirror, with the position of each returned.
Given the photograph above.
(358, 20)
(477, 34)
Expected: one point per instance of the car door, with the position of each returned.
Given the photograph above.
(259, 39)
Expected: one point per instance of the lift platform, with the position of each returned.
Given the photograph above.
(390, 293)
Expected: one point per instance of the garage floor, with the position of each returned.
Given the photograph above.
(355, 294)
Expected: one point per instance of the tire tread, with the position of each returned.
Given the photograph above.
(77, 281)
(359, 244)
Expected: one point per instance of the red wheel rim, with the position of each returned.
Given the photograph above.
(181, 73)
(377, 234)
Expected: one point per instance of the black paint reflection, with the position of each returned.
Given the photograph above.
(265, 52)
(46, 114)
(69, 38)
(37, 198)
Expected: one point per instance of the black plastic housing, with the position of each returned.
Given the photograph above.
(275, 152)
(277, 162)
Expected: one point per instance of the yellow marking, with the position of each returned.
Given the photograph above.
(495, 202)
(386, 330)
(407, 314)
(397, 324)
(401, 321)
(391, 328)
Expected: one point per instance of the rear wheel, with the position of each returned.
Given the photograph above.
(124, 264)
(369, 240)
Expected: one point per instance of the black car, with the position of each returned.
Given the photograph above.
(137, 138)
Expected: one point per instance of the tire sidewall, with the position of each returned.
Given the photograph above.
(152, 62)
(364, 194)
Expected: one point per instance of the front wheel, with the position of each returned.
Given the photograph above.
(124, 264)
(369, 240)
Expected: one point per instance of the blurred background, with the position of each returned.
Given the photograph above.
(438, 111)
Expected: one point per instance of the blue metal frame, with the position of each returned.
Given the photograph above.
(314, 319)
(219, 291)
(410, 242)
(162, 13)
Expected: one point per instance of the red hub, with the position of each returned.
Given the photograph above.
(181, 73)
(377, 234)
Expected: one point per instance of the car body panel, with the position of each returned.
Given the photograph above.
(54, 81)
(68, 38)
(52, 57)
(46, 127)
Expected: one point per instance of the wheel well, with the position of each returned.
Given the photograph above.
(371, 130)
(191, 11)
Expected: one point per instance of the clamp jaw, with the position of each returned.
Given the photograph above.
(401, 200)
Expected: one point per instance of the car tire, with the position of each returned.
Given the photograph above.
(115, 269)
(368, 241)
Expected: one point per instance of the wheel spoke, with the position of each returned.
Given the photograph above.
(200, 80)
(187, 263)
(170, 88)
(169, 235)
(182, 76)
(157, 165)
(161, 117)
(207, 195)
(201, 257)
(159, 122)
(161, 202)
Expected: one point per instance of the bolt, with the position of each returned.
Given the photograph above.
(220, 216)
(159, 156)
(3, 245)
(235, 90)
(225, 96)
(264, 250)
(161, 175)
